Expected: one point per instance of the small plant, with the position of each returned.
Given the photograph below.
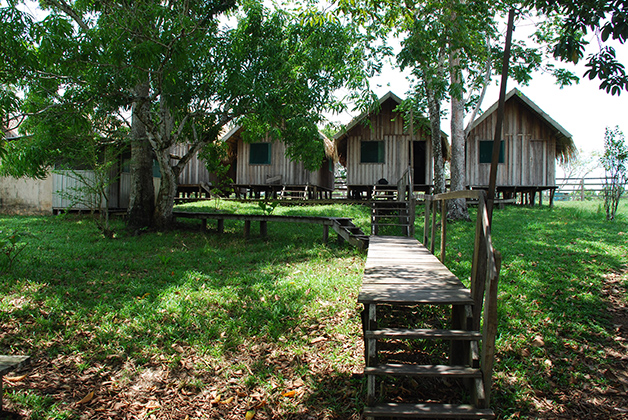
(11, 246)
(165, 259)
(267, 206)
(615, 162)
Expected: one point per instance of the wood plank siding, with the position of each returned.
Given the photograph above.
(532, 143)
(386, 125)
(195, 172)
(279, 165)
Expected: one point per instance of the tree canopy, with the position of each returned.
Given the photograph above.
(201, 66)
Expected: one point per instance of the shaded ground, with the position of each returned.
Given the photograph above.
(159, 390)
(192, 389)
(594, 402)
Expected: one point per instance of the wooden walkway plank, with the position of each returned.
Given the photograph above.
(423, 370)
(428, 411)
(400, 270)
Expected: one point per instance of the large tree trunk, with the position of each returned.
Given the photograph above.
(457, 208)
(437, 145)
(142, 194)
(162, 217)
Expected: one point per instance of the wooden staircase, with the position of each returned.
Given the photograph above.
(351, 233)
(384, 192)
(386, 216)
(417, 364)
(294, 192)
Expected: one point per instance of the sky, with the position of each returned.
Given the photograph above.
(582, 109)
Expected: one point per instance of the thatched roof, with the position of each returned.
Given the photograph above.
(565, 146)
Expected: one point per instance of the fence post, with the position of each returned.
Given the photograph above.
(582, 189)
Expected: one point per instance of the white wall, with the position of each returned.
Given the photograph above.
(25, 195)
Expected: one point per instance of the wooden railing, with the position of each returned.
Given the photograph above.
(579, 188)
(406, 193)
(484, 270)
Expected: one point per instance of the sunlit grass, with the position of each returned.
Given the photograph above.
(161, 297)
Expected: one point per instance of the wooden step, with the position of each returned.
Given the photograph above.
(9, 363)
(390, 205)
(422, 333)
(429, 411)
(423, 371)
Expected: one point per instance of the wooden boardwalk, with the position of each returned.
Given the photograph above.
(400, 271)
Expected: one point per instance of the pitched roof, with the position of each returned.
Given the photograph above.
(398, 101)
(365, 114)
(330, 149)
(565, 147)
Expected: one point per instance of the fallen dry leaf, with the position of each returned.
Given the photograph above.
(151, 405)
(538, 341)
(227, 401)
(15, 378)
(87, 398)
(249, 415)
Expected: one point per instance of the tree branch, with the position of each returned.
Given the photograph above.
(487, 79)
(61, 4)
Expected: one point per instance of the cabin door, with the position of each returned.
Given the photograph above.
(537, 162)
(419, 161)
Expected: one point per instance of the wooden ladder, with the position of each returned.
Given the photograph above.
(406, 276)
(294, 192)
(392, 213)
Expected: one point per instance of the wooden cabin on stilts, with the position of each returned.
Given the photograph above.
(532, 143)
(262, 168)
(376, 150)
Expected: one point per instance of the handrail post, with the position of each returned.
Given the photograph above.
(433, 228)
(443, 229)
(479, 262)
(426, 221)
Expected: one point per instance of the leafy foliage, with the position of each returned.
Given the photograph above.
(187, 69)
(615, 163)
(573, 19)
(11, 246)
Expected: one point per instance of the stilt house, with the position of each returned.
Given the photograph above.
(531, 144)
(262, 167)
(376, 150)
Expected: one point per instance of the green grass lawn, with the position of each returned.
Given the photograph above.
(215, 326)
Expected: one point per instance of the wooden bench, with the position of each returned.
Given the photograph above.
(342, 225)
(8, 364)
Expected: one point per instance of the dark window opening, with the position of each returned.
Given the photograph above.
(486, 151)
(260, 154)
(372, 152)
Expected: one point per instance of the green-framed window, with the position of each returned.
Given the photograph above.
(372, 152)
(486, 151)
(260, 154)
